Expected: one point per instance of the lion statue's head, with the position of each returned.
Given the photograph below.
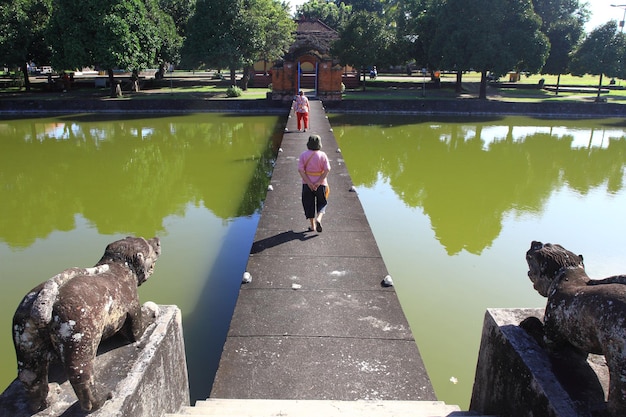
(546, 262)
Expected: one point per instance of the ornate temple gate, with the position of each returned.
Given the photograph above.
(308, 65)
(288, 79)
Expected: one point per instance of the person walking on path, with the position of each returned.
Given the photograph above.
(302, 110)
(313, 166)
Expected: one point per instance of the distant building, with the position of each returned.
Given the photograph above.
(309, 65)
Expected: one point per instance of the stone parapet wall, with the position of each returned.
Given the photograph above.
(516, 377)
(147, 379)
(279, 102)
(150, 105)
(475, 107)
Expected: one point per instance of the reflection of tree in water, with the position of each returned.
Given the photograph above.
(127, 175)
(467, 182)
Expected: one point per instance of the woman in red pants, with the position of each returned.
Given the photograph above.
(302, 110)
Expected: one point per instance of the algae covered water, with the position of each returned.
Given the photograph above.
(455, 203)
(70, 185)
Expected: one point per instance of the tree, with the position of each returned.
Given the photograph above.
(276, 30)
(489, 35)
(22, 28)
(236, 34)
(364, 41)
(180, 11)
(109, 35)
(170, 34)
(601, 52)
(411, 20)
(563, 22)
(333, 14)
(372, 6)
(209, 42)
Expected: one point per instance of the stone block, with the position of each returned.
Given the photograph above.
(516, 377)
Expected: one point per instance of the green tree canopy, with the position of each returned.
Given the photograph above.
(599, 53)
(108, 35)
(563, 22)
(180, 11)
(331, 13)
(602, 52)
(489, 35)
(170, 35)
(365, 41)
(236, 34)
(22, 29)
(372, 6)
(415, 20)
(209, 42)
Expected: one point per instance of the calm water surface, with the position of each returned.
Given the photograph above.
(454, 205)
(71, 185)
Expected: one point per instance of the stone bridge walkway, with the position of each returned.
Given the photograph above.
(315, 323)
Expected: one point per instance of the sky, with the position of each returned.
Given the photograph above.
(601, 11)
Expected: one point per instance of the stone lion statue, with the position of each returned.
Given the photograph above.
(66, 317)
(584, 314)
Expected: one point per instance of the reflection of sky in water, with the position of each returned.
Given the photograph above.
(581, 138)
(65, 131)
(142, 133)
(57, 131)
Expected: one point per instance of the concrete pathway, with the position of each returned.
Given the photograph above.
(315, 323)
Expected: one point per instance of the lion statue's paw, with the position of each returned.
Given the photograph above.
(150, 309)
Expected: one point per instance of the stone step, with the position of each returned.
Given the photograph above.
(215, 407)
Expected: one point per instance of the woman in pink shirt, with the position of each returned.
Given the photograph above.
(302, 110)
(313, 166)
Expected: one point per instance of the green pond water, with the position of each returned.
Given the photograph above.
(453, 203)
(71, 185)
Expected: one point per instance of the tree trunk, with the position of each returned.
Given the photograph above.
(160, 74)
(26, 79)
(116, 89)
(558, 83)
(459, 86)
(599, 88)
(483, 85)
(233, 77)
(245, 78)
(363, 73)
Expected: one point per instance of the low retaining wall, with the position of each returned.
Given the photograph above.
(147, 379)
(152, 105)
(462, 107)
(515, 377)
(476, 107)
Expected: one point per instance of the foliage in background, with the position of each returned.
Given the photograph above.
(489, 36)
(601, 53)
(22, 28)
(364, 42)
(563, 22)
(234, 91)
(236, 34)
(126, 34)
(333, 14)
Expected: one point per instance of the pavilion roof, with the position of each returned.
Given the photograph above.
(313, 35)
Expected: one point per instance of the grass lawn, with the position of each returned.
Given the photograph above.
(410, 87)
(385, 87)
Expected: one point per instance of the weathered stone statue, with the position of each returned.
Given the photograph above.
(582, 314)
(66, 317)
